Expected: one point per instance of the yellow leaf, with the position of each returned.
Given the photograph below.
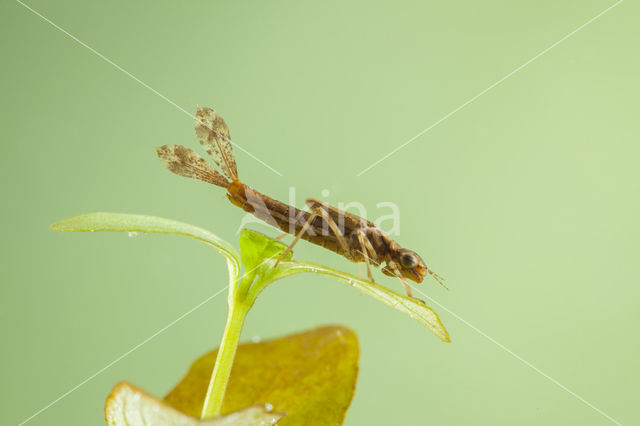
(310, 376)
(129, 405)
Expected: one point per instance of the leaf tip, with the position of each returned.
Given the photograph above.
(58, 226)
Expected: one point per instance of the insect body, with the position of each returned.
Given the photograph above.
(351, 236)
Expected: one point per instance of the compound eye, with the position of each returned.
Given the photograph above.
(408, 260)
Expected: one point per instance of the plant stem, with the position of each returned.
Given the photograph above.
(224, 362)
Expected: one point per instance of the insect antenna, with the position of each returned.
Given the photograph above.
(438, 278)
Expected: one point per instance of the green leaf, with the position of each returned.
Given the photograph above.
(129, 405)
(310, 376)
(256, 247)
(415, 308)
(119, 222)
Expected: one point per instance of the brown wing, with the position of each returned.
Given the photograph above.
(184, 162)
(213, 134)
(351, 221)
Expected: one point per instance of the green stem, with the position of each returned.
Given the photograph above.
(224, 362)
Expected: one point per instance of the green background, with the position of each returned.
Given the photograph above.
(526, 200)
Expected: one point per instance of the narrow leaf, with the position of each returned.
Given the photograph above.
(119, 222)
(415, 308)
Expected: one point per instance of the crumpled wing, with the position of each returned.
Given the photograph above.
(185, 162)
(213, 134)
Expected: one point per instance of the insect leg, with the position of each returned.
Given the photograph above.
(392, 265)
(366, 249)
(281, 236)
(297, 238)
(367, 244)
(334, 227)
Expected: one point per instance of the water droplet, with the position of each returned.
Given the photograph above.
(268, 407)
(133, 234)
(256, 339)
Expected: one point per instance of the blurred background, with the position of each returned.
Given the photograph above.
(525, 200)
